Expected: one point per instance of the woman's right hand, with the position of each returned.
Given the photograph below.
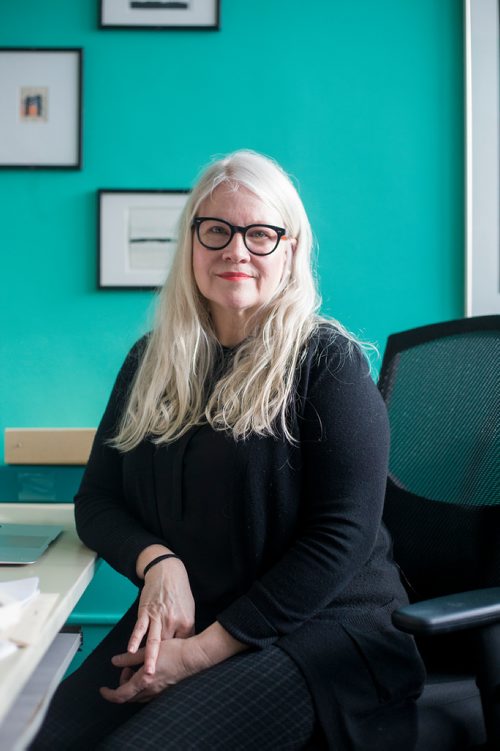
(166, 609)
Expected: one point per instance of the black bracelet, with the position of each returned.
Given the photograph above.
(157, 560)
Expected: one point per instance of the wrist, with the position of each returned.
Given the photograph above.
(156, 561)
(147, 555)
(194, 657)
(214, 645)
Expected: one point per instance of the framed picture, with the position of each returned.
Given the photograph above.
(137, 236)
(200, 15)
(41, 108)
(482, 157)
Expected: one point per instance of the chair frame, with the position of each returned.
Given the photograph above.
(478, 609)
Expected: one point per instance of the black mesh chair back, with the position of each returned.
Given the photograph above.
(441, 384)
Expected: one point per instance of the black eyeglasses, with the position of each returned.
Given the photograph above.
(259, 239)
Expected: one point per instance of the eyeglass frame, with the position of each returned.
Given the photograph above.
(280, 231)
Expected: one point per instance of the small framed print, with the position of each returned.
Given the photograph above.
(137, 236)
(41, 108)
(195, 15)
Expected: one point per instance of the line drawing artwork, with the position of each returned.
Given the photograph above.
(195, 15)
(152, 237)
(158, 5)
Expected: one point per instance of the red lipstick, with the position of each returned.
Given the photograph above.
(234, 276)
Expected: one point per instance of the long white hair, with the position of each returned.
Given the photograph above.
(169, 392)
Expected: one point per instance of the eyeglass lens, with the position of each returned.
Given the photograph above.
(216, 234)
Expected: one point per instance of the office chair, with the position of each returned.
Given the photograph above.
(441, 384)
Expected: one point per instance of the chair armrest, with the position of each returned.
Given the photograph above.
(457, 612)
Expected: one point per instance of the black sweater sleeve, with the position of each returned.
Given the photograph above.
(344, 446)
(102, 520)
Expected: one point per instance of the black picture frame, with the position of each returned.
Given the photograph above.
(43, 128)
(201, 15)
(136, 236)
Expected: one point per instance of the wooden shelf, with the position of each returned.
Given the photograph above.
(48, 445)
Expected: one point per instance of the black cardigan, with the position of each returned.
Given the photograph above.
(309, 541)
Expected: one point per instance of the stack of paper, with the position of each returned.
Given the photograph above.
(15, 596)
(10, 610)
(6, 648)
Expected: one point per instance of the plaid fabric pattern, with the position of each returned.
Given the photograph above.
(256, 699)
(253, 700)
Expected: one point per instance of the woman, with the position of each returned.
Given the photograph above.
(237, 477)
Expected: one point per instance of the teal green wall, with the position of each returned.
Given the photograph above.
(361, 100)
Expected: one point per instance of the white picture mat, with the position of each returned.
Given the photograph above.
(115, 268)
(152, 236)
(56, 141)
(483, 157)
(199, 13)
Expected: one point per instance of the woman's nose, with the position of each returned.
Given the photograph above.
(236, 250)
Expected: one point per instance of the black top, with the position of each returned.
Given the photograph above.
(197, 484)
(311, 557)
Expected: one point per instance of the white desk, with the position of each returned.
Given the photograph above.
(66, 568)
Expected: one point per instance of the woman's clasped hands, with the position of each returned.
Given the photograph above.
(166, 620)
(177, 659)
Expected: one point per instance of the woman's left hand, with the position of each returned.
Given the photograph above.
(177, 659)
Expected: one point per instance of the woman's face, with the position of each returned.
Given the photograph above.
(234, 281)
